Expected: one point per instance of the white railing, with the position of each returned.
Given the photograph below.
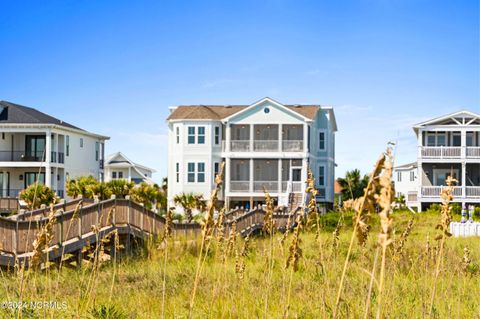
(270, 186)
(441, 152)
(240, 146)
(296, 187)
(473, 152)
(239, 186)
(435, 191)
(265, 145)
(292, 145)
(473, 191)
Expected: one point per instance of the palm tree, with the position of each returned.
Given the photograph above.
(146, 194)
(102, 191)
(353, 184)
(188, 201)
(120, 187)
(84, 186)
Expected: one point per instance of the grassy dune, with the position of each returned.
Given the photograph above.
(133, 287)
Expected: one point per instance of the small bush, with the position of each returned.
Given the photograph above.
(107, 312)
(38, 194)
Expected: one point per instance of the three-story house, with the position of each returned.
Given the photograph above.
(265, 145)
(35, 146)
(449, 145)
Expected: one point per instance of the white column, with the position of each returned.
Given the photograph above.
(305, 138)
(251, 175)
(280, 137)
(304, 173)
(463, 143)
(227, 175)
(464, 181)
(227, 137)
(129, 174)
(48, 153)
(419, 142)
(5, 184)
(279, 174)
(420, 180)
(252, 137)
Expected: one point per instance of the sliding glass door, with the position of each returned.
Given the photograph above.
(34, 147)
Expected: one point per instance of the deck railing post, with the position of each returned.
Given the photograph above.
(15, 239)
(80, 216)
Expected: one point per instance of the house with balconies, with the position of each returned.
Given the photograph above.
(118, 166)
(36, 146)
(448, 145)
(265, 145)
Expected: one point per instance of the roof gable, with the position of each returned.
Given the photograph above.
(461, 118)
(265, 108)
(222, 112)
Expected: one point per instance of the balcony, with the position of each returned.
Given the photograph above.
(473, 152)
(21, 156)
(266, 138)
(270, 186)
(435, 191)
(441, 152)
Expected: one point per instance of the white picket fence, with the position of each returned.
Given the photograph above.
(465, 229)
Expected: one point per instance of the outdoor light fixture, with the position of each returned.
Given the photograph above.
(20, 177)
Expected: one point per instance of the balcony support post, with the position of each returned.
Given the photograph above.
(252, 137)
(280, 137)
(305, 138)
(419, 142)
(279, 176)
(227, 174)
(464, 177)
(463, 137)
(250, 175)
(48, 153)
(228, 139)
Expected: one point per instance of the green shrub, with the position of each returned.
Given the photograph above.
(456, 209)
(107, 312)
(38, 194)
(434, 208)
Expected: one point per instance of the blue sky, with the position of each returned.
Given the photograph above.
(114, 67)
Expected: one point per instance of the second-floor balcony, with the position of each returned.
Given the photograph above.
(266, 138)
(449, 152)
(29, 156)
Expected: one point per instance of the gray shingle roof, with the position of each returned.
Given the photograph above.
(19, 114)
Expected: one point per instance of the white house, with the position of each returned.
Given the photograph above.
(36, 146)
(406, 182)
(265, 144)
(448, 145)
(118, 166)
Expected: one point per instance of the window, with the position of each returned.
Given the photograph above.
(178, 134)
(35, 147)
(217, 135)
(321, 140)
(399, 176)
(32, 178)
(456, 139)
(321, 176)
(191, 173)
(114, 175)
(201, 172)
(177, 172)
(469, 139)
(441, 140)
(97, 151)
(412, 176)
(201, 135)
(191, 135)
(81, 142)
(430, 140)
(120, 174)
(67, 147)
(3, 136)
(216, 168)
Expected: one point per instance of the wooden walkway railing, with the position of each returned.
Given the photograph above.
(73, 228)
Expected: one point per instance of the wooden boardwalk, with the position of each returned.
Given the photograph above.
(82, 223)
